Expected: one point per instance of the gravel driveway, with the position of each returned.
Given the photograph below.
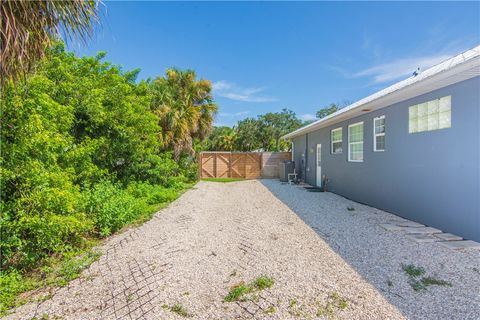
(332, 264)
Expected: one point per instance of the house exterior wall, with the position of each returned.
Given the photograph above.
(299, 151)
(432, 177)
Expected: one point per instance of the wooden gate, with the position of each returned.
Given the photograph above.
(247, 165)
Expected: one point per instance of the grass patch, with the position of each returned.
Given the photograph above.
(240, 291)
(223, 180)
(418, 284)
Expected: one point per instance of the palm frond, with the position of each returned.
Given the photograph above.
(27, 28)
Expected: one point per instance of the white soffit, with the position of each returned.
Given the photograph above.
(459, 68)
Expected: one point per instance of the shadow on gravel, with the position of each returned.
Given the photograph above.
(352, 230)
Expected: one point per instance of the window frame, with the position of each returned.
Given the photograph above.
(375, 135)
(349, 143)
(336, 141)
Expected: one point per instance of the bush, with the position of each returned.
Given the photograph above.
(111, 207)
(11, 284)
(152, 194)
(81, 156)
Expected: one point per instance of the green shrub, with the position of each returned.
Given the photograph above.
(11, 285)
(81, 156)
(152, 194)
(111, 207)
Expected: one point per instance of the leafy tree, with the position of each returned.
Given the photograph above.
(185, 109)
(222, 139)
(275, 125)
(328, 110)
(79, 139)
(247, 132)
(28, 27)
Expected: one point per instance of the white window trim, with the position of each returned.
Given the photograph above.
(332, 141)
(375, 135)
(349, 126)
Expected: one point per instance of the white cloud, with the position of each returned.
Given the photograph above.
(400, 68)
(234, 114)
(232, 91)
(307, 117)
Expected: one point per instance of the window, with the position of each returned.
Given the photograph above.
(336, 138)
(355, 142)
(430, 115)
(379, 133)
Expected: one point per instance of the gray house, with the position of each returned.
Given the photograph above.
(412, 149)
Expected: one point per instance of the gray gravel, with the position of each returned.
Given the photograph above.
(377, 255)
(327, 262)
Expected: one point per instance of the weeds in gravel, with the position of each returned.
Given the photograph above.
(270, 310)
(412, 270)
(237, 292)
(417, 284)
(178, 309)
(295, 309)
(263, 282)
(293, 303)
(334, 303)
(427, 281)
(56, 272)
(240, 291)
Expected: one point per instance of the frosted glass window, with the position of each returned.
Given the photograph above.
(431, 115)
(336, 140)
(355, 142)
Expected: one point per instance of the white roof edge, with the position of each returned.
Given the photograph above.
(463, 58)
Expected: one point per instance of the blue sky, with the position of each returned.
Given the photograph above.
(267, 56)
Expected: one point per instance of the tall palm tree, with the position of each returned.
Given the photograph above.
(27, 28)
(185, 109)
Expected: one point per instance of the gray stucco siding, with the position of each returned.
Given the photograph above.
(432, 177)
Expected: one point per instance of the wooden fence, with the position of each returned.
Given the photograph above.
(247, 165)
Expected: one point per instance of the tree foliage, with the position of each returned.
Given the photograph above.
(261, 133)
(328, 110)
(80, 137)
(28, 27)
(184, 107)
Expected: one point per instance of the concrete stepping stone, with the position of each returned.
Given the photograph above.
(390, 227)
(421, 238)
(412, 224)
(448, 237)
(462, 244)
(422, 230)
